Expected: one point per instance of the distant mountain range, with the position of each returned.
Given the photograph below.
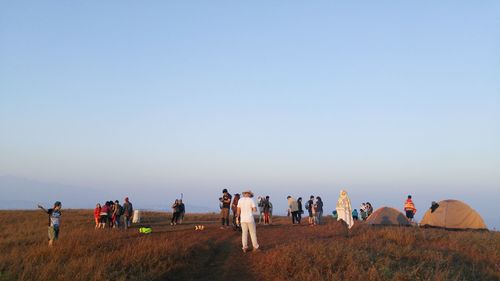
(23, 193)
(20, 193)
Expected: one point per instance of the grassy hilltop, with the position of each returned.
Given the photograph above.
(288, 252)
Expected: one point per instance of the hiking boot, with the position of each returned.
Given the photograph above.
(245, 250)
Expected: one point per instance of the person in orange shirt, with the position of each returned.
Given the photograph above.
(97, 214)
(410, 208)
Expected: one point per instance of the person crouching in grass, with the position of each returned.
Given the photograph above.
(54, 221)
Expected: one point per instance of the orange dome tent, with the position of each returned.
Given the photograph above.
(453, 214)
(387, 216)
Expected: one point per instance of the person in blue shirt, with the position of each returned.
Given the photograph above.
(54, 221)
(335, 215)
(355, 214)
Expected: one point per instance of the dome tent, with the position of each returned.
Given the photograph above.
(387, 216)
(453, 214)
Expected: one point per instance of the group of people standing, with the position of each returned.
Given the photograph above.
(228, 204)
(365, 211)
(315, 210)
(111, 213)
(314, 207)
(265, 210)
(243, 208)
(178, 211)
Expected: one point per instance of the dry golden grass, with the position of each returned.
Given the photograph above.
(288, 252)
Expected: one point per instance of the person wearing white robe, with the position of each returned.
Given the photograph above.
(344, 210)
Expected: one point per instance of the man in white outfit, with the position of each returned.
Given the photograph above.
(246, 208)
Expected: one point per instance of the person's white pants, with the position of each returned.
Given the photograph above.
(245, 228)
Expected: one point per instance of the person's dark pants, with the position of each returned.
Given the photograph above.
(299, 216)
(117, 221)
(225, 216)
(409, 214)
(103, 219)
(126, 221)
(175, 217)
(295, 217)
(234, 219)
(181, 216)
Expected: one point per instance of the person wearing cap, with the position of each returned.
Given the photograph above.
(226, 204)
(128, 211)
(246, 208)
(54, 221)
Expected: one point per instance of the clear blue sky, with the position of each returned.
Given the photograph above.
(382, 98)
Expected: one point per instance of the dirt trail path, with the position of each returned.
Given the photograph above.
(222, 259)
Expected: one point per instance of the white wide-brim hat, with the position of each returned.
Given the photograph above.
(248, 192)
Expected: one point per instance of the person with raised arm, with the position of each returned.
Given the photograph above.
(54, 221)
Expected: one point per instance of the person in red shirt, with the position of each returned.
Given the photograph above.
(97, 215)
(104, 215)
